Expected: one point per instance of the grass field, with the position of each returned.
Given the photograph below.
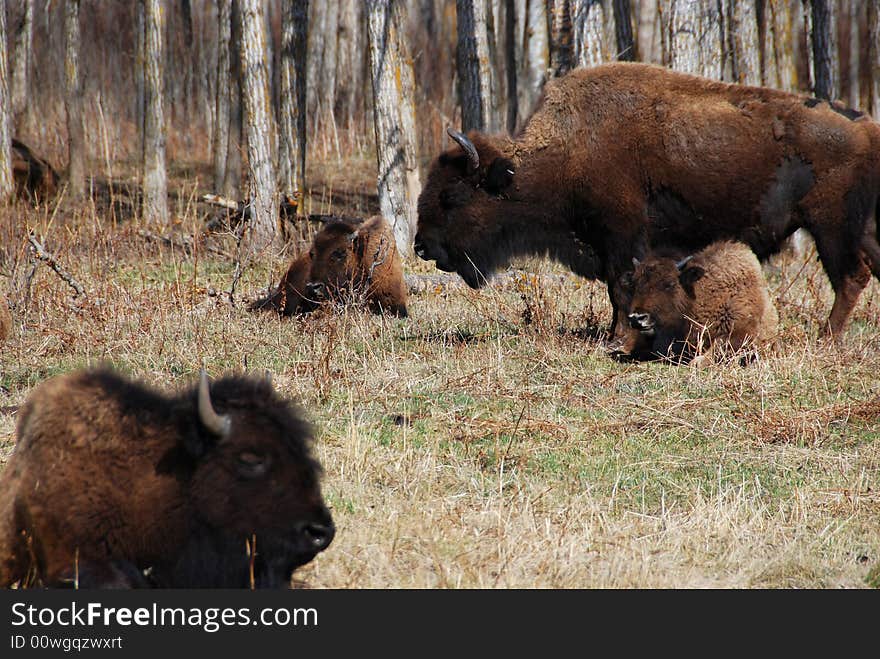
(488, 440)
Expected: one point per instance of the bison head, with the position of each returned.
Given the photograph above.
(250, 473)
(338, 254)
(457, 207)
(661, 298)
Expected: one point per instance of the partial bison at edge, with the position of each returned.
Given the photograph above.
(713, 303)
(623, 159)
(348, 261)
(114, 484)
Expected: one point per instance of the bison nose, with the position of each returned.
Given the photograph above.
(640, 321)
(319, 535)
(315, 290)
(420, 250)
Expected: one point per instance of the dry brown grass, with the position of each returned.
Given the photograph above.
(488, 441)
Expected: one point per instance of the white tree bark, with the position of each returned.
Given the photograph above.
(257, 104)
(349, 79)
(6, 185)
(536, 54)
(743, 47)
(474, 74)
(394, 119)
(155, 184)
(595, 38)
(220, 136)
(76, 134)
(22, 57)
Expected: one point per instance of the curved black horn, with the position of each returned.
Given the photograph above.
(680, 264)
(467, 145)
(218, 424)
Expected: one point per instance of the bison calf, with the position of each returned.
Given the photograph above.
(349, 261)
(715, 300)
(112, 483)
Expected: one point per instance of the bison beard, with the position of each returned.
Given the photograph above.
(626, 158)
(159, 490)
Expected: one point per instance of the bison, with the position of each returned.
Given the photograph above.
(5, 319)
(112, 483)
(349, 260)
(34, 177)
(713, 302)
(621, 159)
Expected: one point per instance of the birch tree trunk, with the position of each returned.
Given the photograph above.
(75, 132)
(394, 119)
(595, 40)
(626, 42)
(473, 65)
(823, 33)
(536, 54)
(292, 129)
(6, 185)
(220, 137)
(559, 27)
(692, 36)
(22, 57)
(257, 104)
(154, 182)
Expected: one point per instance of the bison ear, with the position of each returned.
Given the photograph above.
(499, 176)
(690, 276)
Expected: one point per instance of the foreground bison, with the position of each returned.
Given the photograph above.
(624, 158)
(713, 302)
(349, 260)
(110, 479)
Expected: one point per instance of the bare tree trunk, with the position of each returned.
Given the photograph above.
(76, 134)
(261, 179)
(317, 35)
(559, 27)
(692, 36)
(473, 65)
(778, 35)
(220, 141)
(351, 48)
(743, 47)
(22, 57)
(511, 65)
(327, 82)
(536, 53)
(852, 88)
(154, 183)
(232, 186)
(874, 58)
(595, 40)
(394, 119)
(825, 81)
(139, 68)
(626, 43)
(292, 129)
(6, 185)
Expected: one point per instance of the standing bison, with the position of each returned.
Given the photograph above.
(114, 484)
(624, 158)
(713, 302)
(349, 261)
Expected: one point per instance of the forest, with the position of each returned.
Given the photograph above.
(168, 162)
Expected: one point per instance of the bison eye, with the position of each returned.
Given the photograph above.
(253, 465)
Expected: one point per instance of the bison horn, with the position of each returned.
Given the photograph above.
(218, 424)
(467, 145)
(680, 264)
(635, 262)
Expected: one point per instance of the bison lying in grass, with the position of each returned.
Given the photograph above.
(349, 261)
(114, 484)
(712, 303)
(622, 159)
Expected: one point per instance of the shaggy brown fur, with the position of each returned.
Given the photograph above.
(5, 319)
(109, 478)
(716, 302)
(624, 158)
(349, 260)
(34, 177)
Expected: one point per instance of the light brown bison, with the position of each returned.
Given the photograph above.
(34, 177)
(349, 261)
(712, 303)
(624, 158)
(110, 481)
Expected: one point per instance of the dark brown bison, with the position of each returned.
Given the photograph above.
(34, 177)
(712, 303)
(624, 158)
(349, 261)
(112, 483)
